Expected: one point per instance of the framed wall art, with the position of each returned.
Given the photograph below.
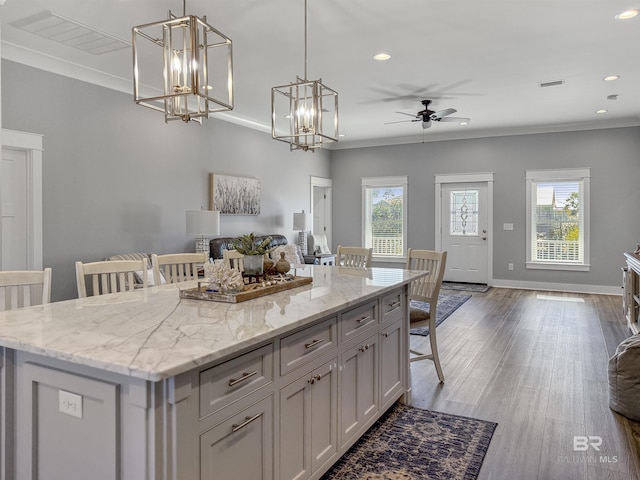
(233, 195)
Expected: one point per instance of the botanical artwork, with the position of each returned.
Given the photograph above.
(231, 195)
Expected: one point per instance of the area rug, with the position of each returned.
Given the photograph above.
(447, 304)
(465, 287)
(409, 443)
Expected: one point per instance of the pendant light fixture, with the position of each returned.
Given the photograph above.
(183, 67)
(305, 113)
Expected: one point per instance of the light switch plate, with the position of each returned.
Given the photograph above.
(70, 403)
(507, 226)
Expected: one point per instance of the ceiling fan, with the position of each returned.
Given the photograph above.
(427, 116)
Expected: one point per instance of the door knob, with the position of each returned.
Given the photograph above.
(484, 238)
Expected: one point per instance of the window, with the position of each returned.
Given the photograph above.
(558, 219)
(384, 215)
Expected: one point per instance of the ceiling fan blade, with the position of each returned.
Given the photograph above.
(399, 121)
(410, 114)
(443, 113)
(426, 125)
(454, 119)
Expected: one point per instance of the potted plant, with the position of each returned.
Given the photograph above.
(253, 251)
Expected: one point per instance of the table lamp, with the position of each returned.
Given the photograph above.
(302, 222)
(203, 224)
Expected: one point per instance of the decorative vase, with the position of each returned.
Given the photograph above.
(282, 266)
(253, 265)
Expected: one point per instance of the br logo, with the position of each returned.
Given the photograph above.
(582, 443)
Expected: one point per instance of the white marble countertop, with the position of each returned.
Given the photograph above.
(155, 334)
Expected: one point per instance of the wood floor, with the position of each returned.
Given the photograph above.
(536, 363)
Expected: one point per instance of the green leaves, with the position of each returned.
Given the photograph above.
(248, 245)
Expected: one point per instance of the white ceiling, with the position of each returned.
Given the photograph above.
(483, 58)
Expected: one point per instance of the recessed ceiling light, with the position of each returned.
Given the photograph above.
(627, 14)
(381, 57)
(463, 123)
(611, 78)
(342, 135)
(602, 110)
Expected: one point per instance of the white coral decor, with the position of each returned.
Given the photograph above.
(222, 277)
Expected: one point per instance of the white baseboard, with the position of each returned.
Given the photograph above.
(558, 287)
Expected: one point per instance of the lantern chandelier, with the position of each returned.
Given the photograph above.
(305, 113)
(190, 75)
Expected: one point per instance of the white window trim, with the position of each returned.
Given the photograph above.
(558, 175)
(396, 181)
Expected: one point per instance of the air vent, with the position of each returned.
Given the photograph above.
(551, 84)
(69, 32)
(612, 97)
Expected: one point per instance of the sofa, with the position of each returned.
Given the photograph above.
(217, 245)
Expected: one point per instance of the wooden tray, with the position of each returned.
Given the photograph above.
(249, 292)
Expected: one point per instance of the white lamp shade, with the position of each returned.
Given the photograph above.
(302, 221)
(203, 223)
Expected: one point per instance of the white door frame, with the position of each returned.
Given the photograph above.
(31, 144)
(467, 178)
(328, 184)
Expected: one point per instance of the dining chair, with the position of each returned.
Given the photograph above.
(354, 256)
(24, 288)
(426, 290)
(110, 276)
(234, 259)
(176, 267)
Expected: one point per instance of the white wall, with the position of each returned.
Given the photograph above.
(118, 179)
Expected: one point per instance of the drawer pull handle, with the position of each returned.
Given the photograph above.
(385, 334)
(364, 319)
(315, 379)
(393, 304)
(247, 421)
(245, 376)
(313, 343)
(364, 348)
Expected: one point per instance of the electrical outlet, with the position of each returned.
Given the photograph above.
(510, 266)
(70, 403)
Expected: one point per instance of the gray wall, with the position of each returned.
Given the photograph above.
(614, 158)
(117, 179)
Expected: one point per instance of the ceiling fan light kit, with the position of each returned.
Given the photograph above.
(304, 114)
(183, 67)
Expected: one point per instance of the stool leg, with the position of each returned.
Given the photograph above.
(434, 347)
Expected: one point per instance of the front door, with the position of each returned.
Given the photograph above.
(464, 231)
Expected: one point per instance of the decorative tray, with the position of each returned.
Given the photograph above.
(253, 290)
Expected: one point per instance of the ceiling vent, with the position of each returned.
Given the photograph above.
(551, 84)
(71, 33)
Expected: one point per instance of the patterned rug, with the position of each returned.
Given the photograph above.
(408, 443)
(447, 304)
(465, 287)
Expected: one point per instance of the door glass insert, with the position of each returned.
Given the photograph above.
(464, 212)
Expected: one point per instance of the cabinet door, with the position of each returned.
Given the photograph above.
(308, 422)
(358, 387)
(241, 446)
(390, 363)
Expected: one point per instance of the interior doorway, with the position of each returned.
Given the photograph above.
(321, 189)
(464, 226)
(21, 201)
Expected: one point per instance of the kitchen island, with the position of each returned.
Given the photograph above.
(146, 385)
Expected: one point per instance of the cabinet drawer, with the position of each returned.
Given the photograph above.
(305, 345)
(231, 380)
(358, 320)
(391, 306)
(241, 447)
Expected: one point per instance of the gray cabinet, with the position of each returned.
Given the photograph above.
(359, 394)
(391, 363)
(241, 446)
(308, 422)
